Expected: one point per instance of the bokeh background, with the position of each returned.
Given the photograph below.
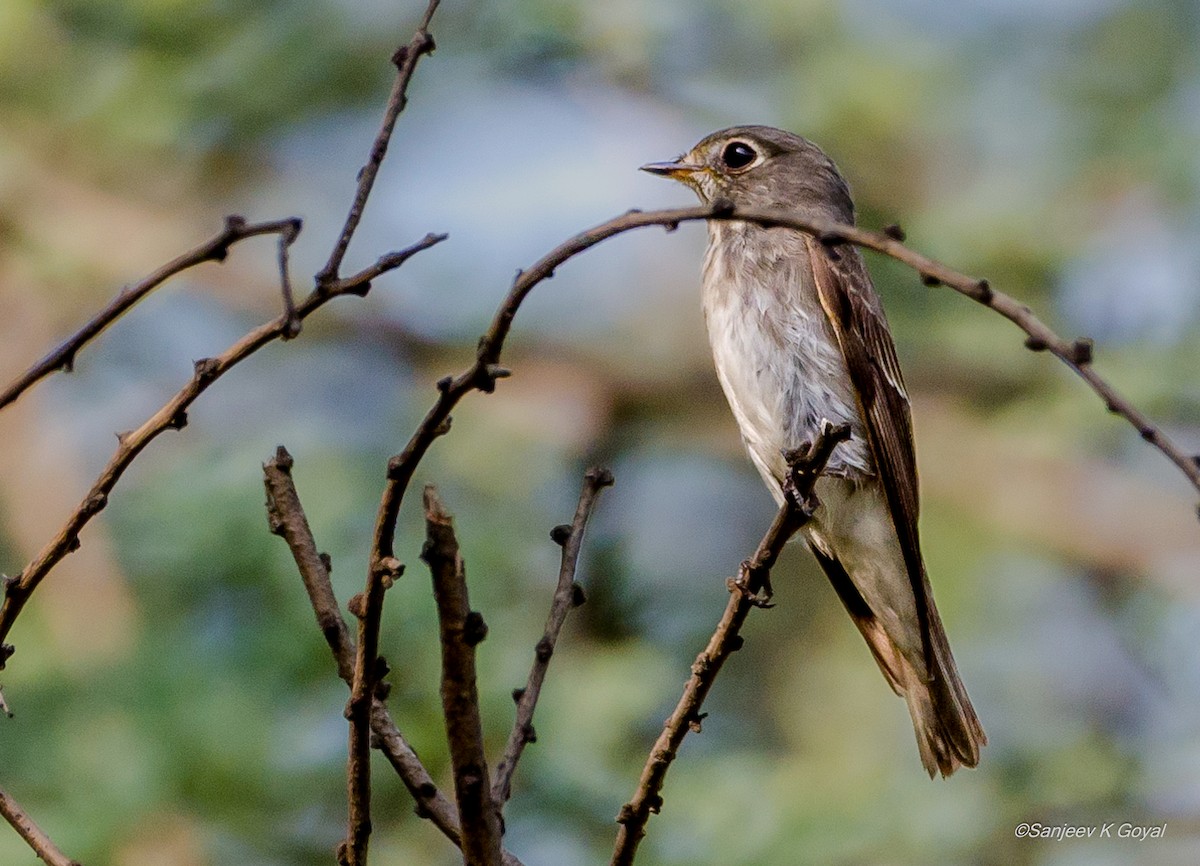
(174, 702)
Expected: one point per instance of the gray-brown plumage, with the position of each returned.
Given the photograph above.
(799, 335)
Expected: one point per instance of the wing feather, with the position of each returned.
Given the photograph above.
(856, 315)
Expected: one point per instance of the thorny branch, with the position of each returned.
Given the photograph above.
(567, 595)
(462, 629)
(287, 519)
(33, 835)
(805, 465)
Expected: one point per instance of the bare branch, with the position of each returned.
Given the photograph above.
(405, 60)
(286, 518)
(805, 466)
(462, 629)
(214, 250)
(171, 416)
(33, 835)
(567, 595)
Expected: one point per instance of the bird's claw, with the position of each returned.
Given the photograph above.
(804, 502)
(758, 597)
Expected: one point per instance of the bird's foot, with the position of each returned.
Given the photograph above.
(802, 500)
(754, 588)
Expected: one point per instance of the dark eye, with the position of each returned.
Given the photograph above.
(738, 154)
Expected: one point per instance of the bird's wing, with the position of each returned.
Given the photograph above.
(853, 309)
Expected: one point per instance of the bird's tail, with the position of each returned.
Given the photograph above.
(949, 734)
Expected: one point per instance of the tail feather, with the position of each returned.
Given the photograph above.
(948, 731)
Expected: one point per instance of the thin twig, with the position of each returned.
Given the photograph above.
(805, 466)
(214, 250)
(171, 416)
(567, 595)
(286, 239)
(286, 518)
(461, 629)
(405, 60)
(33, 835)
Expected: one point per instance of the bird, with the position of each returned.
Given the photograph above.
(799, 337)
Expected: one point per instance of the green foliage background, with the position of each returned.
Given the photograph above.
(175, 703)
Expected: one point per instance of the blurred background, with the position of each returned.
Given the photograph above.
(175, 703)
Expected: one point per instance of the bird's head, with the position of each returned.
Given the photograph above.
(761, 167)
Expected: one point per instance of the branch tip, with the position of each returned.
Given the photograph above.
(283, 459)
(600, 476)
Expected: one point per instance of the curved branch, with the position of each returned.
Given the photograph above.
(486, 369)
(215, 250)
(171, 416)
(805, 465)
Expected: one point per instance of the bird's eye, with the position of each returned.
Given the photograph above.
(738, 154)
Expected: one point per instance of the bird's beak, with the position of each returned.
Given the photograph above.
(677, 170)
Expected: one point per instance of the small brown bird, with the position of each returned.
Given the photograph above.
(798, 335)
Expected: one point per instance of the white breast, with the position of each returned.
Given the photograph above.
(775, 354)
